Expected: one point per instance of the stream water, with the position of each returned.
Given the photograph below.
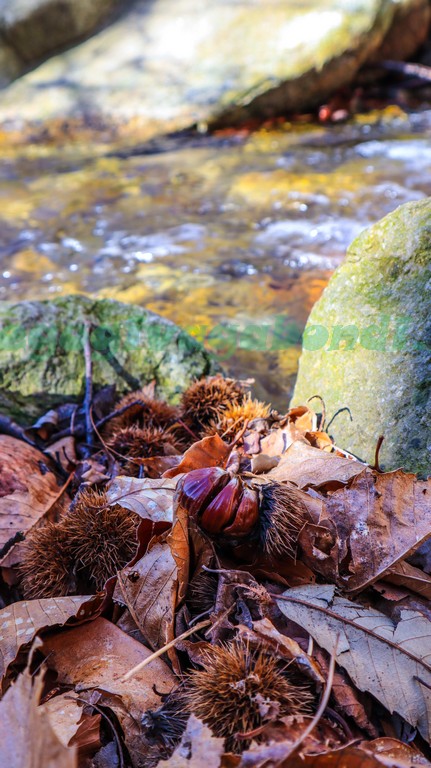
(232, 237)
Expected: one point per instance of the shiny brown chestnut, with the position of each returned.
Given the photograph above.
(234, 508)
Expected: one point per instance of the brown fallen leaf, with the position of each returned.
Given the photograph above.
(149, 498)
(380, 519)
(71, 725)
(264, 632)
(209, 452)
(28, 488)
(310, 467)
(405, 575)
(26, 734)
(355, 757)
(389, 660)
(153, 587)
(22, 621)
(94, 657)
(198, 748)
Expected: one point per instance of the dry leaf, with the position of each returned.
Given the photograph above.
(22, 621)
(152, 499)
(72, 727)
(64, 452)
(198, 748)
(28, 487)
(310, 467)
(152, 587)
(27, 739)
(148, 588)
(405, 575)
(94, 657)
(389, 660)
(282, 646)
(357, 757)
(209, 452)
(380, 519)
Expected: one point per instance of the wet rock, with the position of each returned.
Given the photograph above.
(367, 343)
(408, 31)
(42, 360)
(230, 60)
(32, 29)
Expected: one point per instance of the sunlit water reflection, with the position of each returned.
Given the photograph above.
(233, 239)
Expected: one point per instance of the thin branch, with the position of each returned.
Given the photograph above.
(322, 706)
(163, 650)
(377, 454)
(105, 716)
(88, 383)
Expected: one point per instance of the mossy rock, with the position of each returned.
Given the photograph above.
(367, 343)
(42, 352)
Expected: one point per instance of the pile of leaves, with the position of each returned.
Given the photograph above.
(210, 584)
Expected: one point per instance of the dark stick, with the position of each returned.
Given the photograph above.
(407, 68)
(88, 383)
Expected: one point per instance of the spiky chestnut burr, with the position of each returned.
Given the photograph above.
(206, 400)
(230, 507)
(47, 565)
(101, 538)
(142, 442)
(142, 411)
(235, 416)
(228, 693)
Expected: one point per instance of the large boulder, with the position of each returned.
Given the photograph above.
(30, 30)
(176, 64)
(367, 343)
(42, 352)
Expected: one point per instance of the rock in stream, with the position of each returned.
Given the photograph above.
(367, 343)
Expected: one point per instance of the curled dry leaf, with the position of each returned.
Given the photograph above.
(28, 487)
(375, 754)
(310, 467)
(152, 499)
(380, 519)
(22, 621)
(71, 725)
(153, 587)
(37, 743)
(96, 656)
(282, 646)
(198, 748)
(389, 660)
(403, 574)
(209, 452)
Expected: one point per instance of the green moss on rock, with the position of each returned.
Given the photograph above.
(42, 360)
(367, 343)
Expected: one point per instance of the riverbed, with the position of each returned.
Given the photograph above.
(233, 236)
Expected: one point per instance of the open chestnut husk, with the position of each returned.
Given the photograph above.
(235, 508)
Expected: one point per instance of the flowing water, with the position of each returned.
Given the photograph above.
(233, 237)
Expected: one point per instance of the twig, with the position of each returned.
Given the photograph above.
(88, 383)
(376, 465)
(105, 716)
(120, 411)
(318, 397)
(337, 413)
(322, 706)
(163, 650)
(409, 69)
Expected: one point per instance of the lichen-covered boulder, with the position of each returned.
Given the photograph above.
(42, 352)
(367, 343)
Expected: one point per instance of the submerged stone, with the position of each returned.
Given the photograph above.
(42, 352)
(175, 66)
(367, 343)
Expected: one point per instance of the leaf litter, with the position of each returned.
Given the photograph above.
(212, 583)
